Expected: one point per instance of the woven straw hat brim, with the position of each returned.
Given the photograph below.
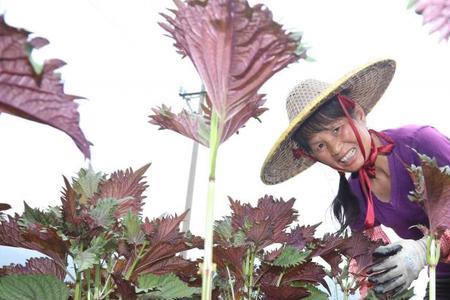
(365, 85)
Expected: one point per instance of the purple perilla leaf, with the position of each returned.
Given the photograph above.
(436, 194)
(127, 188)
(36, 265)
(35, 92)
(235, 48)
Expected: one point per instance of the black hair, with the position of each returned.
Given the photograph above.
(345, 205)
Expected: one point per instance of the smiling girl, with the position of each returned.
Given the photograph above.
(328, 125)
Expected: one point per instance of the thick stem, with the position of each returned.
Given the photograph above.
(345, 295)
(207, 267)
(432, 283)
(433, 255)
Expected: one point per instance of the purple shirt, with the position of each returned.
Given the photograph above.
(401, 213)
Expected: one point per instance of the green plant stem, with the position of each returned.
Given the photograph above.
(64, 267)
(433, 255)
(280, 278)
(97, 282)
(106, 290)
(231, 283)
(138, 258)
(88, 279)
(432, 283)
(250, 273)
(345, 295)
(207, 267)
(77, 295)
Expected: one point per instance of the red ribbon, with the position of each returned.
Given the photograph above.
(367, 171)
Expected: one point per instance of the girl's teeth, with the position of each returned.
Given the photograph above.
(348, 155)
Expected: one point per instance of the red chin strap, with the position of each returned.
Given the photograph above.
(367, 171)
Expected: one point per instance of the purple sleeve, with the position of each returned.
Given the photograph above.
(434, 144)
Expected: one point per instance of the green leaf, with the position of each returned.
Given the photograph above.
(86, 185)
(223, 228)
(239, 238)
(290, 256)
(103, 212)
(166, 286)
(36, 216)
(86, 259)
(133, 225)
(316, 294)
(32, 287)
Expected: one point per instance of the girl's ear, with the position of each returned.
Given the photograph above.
(359, 113)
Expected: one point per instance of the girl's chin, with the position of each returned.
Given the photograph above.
(351, 167)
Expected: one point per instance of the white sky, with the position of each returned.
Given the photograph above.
(119, 60)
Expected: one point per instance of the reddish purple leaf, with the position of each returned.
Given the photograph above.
(235, 49)
(284, 292)
(360, 248)
(124, 287)
(166, 229)
(436, 15)
(330, 248)
(48, 239)
(36, 96)
(233, 258)
(127, 187)
(161, 256)
(41, 265)
(437, 202)
(307, 272)
(191, 125)
(333, 258)
(267, 222)
(270, 256)
(69, 205)
(46, 242)
(260, 233)
(300, 236)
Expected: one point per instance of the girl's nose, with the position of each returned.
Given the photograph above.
(335, 147)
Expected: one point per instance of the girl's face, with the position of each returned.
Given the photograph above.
(337, 145)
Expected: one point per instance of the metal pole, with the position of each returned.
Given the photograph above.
(191, 180)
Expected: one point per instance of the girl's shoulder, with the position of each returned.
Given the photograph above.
(407, 131)
(415, 135)
(423, 139)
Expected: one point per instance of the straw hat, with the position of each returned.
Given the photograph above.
(364, 85)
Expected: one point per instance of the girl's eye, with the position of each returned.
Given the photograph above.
(336, 129)
(320, 147)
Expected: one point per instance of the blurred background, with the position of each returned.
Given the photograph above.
(119, 60)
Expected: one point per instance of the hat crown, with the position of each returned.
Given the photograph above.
(302, 94)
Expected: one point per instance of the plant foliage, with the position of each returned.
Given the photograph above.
(99, 225)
